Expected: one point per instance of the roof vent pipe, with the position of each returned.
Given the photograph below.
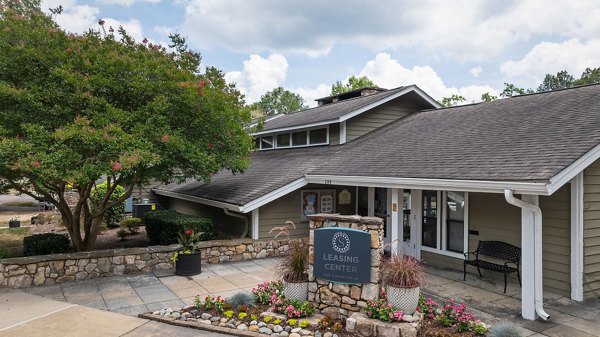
(537, 239)
(240, 216)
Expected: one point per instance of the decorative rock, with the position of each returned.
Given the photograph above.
(277, 328)
(156, 313)
(409, 318)
(293, 334)
(262, 324)
(242, 327)
(296, 330)
(328, 334)
(253, 328)
(223, 320)
(205, 321)
(284, 334)
(215, 319)
(186, 314)
(222, 324)
(230, 325)
(305, 332)
(317, 333)
(265, 330)
(206, 316)
(175, 315)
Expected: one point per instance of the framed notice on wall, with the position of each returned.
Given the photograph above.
(317, 201)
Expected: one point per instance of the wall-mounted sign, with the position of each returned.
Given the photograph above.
(317, 201)
(342, 255)
(345, 197)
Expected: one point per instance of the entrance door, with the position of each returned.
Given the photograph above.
(407, 222)
(382, 200)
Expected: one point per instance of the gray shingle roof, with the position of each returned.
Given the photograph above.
(525, 138)
(327, 112)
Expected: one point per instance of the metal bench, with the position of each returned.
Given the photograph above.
(498, 250)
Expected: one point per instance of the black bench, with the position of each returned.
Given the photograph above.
(499, 250)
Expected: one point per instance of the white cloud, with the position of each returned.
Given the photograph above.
(125, 2)
(550, 58)
(74, 18)
(389, 73)
(310, 94)
(463, 29)
(132, 26)
(259, 75)
(475, 71)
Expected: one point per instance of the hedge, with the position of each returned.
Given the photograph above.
(45, 243)
(162, 227)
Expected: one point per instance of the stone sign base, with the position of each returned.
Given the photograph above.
(337, 299)
(361, 325)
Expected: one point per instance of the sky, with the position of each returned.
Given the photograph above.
(445, 47)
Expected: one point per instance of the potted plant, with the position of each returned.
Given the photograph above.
(188, 258)
(403, 275)
(292, 268)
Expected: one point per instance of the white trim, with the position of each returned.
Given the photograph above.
(255, 224)
(393, 222)
(343, 132)
(432, 184)
(416, 214)
(276, 146)
(577, 190)
(204, 201)
(408, 89)
(278, 193)
(574, 169)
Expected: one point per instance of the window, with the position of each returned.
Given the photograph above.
(266, 142)
(318, 136)
(445, 222)
(283, 140)
(299, 138)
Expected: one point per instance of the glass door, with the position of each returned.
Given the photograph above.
(407, 223)
(430, 223)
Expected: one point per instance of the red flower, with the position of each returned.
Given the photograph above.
(188, 232)
(201, 84)
(165, 138)
(69, 50)
(210, 145)
(117, 166)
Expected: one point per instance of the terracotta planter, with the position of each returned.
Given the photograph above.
(188, 264)
(296, 290)
(405, 299)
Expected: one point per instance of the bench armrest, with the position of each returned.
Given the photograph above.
(470, 253)
(506, 264)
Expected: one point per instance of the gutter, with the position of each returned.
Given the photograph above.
(537, 239)
(239, 216)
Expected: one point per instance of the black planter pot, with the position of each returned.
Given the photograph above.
(14, 223)
(188, 264)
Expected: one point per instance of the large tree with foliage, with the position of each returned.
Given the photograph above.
(453, 100)
(79, 108)
(561, 80)
(279, 100)
(353, 83)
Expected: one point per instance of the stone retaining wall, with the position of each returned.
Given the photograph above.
(59, 268)
(337, 299)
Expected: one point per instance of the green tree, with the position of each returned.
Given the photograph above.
(453, 100)
(279, 100)
(561, 80)
(589, 76)
(77, 108)
(487, 97)
(511, 90)
(353, 83)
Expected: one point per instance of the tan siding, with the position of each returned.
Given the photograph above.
(224, 225)
(276, 213)
(378, 117)
(591, 231)
(145, 192)
(441, 261)
(334, 134)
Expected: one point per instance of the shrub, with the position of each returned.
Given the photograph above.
(132, 224)
(5, 253)
(114, 214)
(292, 322)
(292, 267)
(123, 234)
(379, 309)
(45, 243)
(163, 227)
(263, 291)
(293, 308)
(240, 299)
(304, 324)
(505, 329)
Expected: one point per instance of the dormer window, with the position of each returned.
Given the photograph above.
(298, 138)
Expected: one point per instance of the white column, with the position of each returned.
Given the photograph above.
(416, 216)
(255, 235)
(528, 261)
(577, 237)
(395, 206)
(343, 132)
(371, 203)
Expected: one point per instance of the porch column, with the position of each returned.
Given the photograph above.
(577, 238)
(255, 235)
(528, 260)
(396, 240)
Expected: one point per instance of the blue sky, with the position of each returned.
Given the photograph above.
(462, 47)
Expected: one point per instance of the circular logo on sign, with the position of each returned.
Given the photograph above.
(341, 242)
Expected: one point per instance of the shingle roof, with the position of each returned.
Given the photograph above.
(327, 112)
(525, 138)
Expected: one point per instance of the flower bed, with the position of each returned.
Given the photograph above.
(449, 320)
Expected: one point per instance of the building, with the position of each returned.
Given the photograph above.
(524, 170)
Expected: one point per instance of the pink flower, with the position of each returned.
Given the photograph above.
(201, 84)
(117, 166)
(69, 50)
(165, 138)
(188, 232)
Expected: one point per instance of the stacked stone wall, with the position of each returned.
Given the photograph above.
(341, 300)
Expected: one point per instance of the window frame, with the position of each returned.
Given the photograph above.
(290, 132)
(442, 228)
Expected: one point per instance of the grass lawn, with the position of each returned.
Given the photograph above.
(11, 240)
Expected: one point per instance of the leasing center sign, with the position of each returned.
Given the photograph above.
(342, 255)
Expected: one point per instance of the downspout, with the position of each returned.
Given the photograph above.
(537, 238)
(240, 216)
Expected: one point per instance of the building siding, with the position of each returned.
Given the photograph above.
(378, 117)
(224, 226)
(494, 219)
(334, 134)
(591, 229)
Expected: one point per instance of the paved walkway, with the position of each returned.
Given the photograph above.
(131, 295)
